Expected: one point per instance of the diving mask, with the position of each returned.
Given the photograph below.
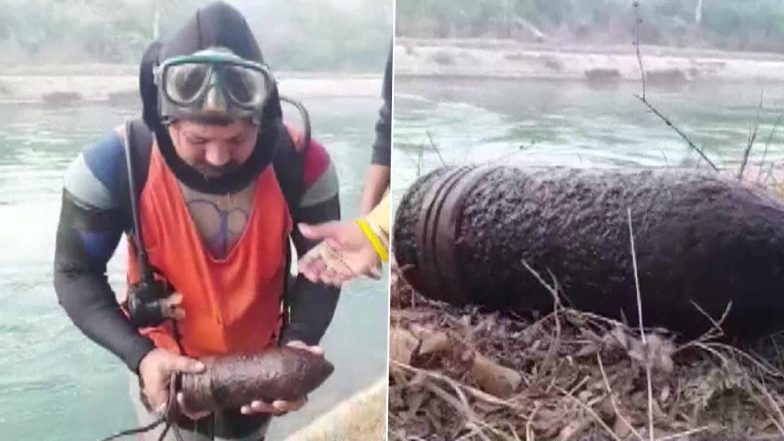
(212, 84)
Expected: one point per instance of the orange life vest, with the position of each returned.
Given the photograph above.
(232, 305)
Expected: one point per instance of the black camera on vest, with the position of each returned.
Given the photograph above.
(149, 303)
(146, 303)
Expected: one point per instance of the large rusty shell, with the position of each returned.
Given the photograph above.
(461, 235)
(278, 373)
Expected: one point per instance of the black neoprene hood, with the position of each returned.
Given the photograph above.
(216, 25)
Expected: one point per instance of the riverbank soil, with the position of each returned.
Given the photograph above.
(665, 66)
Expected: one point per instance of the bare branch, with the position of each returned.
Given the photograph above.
(636, 277)
(435, 148)
(642, 329)
(752, 138)
(679, 132)
(767, 144)
(642, 97)
(638, 22)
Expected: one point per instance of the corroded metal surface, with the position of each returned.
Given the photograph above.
(273, 374)
(462, 234)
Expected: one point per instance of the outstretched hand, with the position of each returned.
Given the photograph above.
(343, 254)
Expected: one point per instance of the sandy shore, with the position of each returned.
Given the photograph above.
(509, 59)
(66, 84)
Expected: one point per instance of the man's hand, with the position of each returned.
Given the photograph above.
(156, 369)
(343, 254)
(280, 407)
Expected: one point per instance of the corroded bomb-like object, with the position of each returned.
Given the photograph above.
(462, 234)
(278, 373)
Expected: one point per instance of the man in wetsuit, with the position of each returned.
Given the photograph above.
(219, 182)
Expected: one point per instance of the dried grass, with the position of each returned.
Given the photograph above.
(582, 377)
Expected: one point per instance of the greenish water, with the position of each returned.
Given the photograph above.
(569, 123)
(55, 384)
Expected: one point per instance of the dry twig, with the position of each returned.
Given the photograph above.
(650, 106)
(752, 138)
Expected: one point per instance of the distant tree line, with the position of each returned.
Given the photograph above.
(749, 25)
(311, 35)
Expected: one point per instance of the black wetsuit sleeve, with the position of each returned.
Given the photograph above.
(87, 237)
(311, 305)
(382, 147)
(82, 286)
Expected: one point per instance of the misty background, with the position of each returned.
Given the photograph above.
(301, 35)
(750, 25)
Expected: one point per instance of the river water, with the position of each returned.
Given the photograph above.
(458, 121)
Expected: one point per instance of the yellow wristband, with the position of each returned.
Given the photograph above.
(374, 240)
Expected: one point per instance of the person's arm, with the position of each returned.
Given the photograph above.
(378, 175)
(375, 186)
(350, 248)
(88, 233)
(312, 305)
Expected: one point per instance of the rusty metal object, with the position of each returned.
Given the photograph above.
(462, 234)
(274, 374)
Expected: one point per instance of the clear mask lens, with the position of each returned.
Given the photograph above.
(245, 87)
(187, 84)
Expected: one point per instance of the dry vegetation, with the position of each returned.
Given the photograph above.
(461, 373)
